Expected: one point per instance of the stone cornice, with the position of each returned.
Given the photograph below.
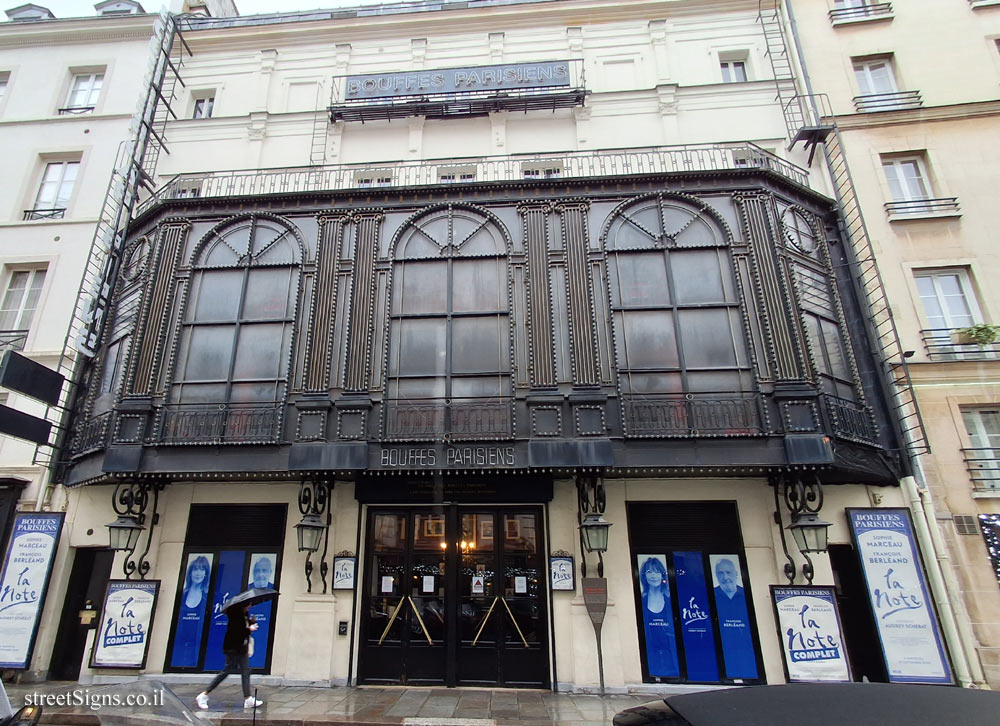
(951, 112)
(95, 29)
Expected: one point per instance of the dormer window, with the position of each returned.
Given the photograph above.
(119, 7)
(28, 13)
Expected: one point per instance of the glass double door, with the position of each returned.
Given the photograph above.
(455, 596)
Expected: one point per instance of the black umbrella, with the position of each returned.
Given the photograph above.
(253, 596)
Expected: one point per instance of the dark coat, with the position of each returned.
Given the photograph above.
(237, 632)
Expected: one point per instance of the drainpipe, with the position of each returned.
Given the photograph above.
(952, 591)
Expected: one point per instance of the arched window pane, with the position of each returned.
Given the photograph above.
(209, 353)
(478, 286)
(259, 351)
(269, 294)
(699, 277)
(707, 337)
(639, 280)
(215, 295)
(421, 288)
(648, 339)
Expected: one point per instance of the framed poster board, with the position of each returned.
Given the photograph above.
(901, 606)
(24, 581)
(126, 622)
(343, 572)
(812, 638)
(561, 572)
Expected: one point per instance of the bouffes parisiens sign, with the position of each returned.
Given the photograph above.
(456, 80)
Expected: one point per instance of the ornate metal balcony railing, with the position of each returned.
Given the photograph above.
(914, 207)
(13, 339)
(850, 420)
(692, 415)
(861, 12)
(983, 466)
(30, 214)
(403, 174)
(462, 419)
(220, 423)
(947, 344)
(895, 101)
(92, 434)
(76, 110)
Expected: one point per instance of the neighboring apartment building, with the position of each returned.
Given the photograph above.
(457, 282)
(915, 88)
(69, 90)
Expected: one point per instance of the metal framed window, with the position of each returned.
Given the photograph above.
(84, 90)
(20, 301)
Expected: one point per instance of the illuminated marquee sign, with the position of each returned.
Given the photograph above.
(458, 80)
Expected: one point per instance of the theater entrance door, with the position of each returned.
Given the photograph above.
(455, 596)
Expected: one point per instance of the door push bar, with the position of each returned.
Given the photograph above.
(512, 618)
(416, 612)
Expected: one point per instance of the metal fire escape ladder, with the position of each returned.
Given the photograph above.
(321, 118)
(809, 118)
(133, 169)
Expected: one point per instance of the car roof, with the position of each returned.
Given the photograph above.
(837, 704)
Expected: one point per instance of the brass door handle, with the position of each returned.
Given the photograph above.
(391, 619)
(514, 620)
(420, 620)
(483, 624)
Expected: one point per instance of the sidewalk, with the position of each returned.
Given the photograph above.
(370, 706)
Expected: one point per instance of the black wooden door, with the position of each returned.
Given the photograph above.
(455, 596)
(85, 592)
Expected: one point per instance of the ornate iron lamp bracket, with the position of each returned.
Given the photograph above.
(591, 499)
(132, 499)
(314, 500)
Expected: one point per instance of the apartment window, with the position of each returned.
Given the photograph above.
(55, 190)
(907, 178)
(20, 300)
(875, 75)
(373, 181)
(84, 90)
(947, 298)
(982, 425)
(4, 78)
(203, 106)
(733, 71)
(453, 177)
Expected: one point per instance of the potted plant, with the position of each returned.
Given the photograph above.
(978, 334)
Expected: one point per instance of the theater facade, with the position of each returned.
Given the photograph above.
(394, 384)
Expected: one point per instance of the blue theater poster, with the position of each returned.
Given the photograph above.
(126, 621)
(697, 632)
(228, 582)
(192, 611)
(25, 579)
(900, 602)
(812, 639)
(735, 630)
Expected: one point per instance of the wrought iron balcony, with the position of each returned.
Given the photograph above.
(76, 110)
(234, 423)
(983, 466)
(948, 344)
(873, 11)
(430, 419)
(896, 101)
(57, 213)
(13, 339)
(850, 420)
(487, 169)
(943, 206)
(692, 415)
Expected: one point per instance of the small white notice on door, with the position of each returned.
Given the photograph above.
(478, 584)
(520, 585)
(428, 583)
(386, 583)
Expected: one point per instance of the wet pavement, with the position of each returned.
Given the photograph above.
(368, 706)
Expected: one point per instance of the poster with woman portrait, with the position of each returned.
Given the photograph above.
(657, 617)
(192, 610)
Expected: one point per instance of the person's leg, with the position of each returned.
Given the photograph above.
(232, 665)
(244, 665)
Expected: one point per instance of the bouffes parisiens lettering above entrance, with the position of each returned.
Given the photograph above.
(446, 457)
(456, 80)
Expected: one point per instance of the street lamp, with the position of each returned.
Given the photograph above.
(124, 533)
(310, 532)
(809, 532)
(594, 529)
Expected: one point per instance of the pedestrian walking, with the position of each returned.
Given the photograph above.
(235, 646)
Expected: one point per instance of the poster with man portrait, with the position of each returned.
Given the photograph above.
(261, 575)
(735, 629)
